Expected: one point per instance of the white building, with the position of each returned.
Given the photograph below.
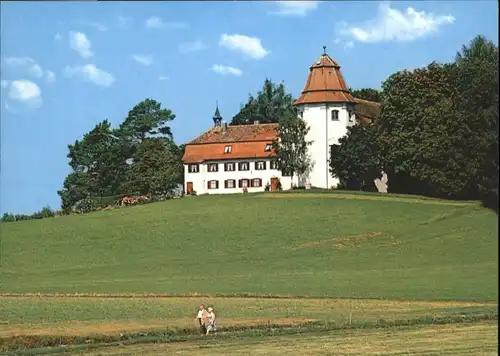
(227, 159)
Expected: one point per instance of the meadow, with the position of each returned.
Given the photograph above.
(321, 263)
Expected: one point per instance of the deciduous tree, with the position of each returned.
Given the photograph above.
(355, 161)
(292, 147)
(270, 104)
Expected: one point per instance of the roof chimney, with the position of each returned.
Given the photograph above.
(224, 128)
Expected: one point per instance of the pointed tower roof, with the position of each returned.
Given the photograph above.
(217, 114)
(325, 83)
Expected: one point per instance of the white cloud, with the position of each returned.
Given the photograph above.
(226, 70)
(145, 60)
(30, 66)
(80, 43)
(90, 73)
(58, 36)
(394, 25)
(124, 20)
(345, 44)
(250, 46)
(163, 77)
(157, 22)
(25, 91)
(98, 26)
(26, 63)
(190, 47)
(50, 76)
(295, 8)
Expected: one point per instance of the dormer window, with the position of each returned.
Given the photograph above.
(335, 115)
(227, 149)
(268, 148)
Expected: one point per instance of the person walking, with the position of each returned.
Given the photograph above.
(211, 320)
(202, 319)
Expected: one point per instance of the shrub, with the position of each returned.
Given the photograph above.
(87, 205)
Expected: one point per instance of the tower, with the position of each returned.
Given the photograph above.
(327, 107)
(217, 116)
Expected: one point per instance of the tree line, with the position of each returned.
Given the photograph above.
(437, 134)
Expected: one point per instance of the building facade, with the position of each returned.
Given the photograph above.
(233, 159)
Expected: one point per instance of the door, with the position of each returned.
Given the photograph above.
(189, 187)
(274, 184)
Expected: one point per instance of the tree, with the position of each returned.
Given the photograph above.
(108, 162)
(247, 114)
(156, 168)
(147, 119)
(270, 104)
(355, 161)
(414, 132)
(291, 149)
(367, 94)
(477, 104)
(96, 171)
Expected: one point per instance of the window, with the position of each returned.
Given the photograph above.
(244, 166)
(213, 184)
(274, 165)
(351, 116)
(229, 167)
(335, 115)
(256, 182)
(301, 114)
(243, 183)
(230, 183)
(268, 148)
(213, 167)
(260, 166)
(193, 168)
(227, 149)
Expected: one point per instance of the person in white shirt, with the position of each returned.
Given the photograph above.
(202, 319)
(211, 320)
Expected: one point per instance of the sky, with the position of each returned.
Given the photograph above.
(65, 66)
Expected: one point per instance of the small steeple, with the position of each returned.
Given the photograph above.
(324, 50)
(217, 116)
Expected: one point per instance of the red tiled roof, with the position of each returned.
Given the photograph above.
(237, 133)
(215, 151)
(325, 84)
(366, 111)
(246, 141)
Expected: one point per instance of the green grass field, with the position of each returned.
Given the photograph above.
(333, 253)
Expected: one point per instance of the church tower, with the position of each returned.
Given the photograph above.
(217, 116)
(327, 107)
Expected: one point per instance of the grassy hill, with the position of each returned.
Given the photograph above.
(303, 244)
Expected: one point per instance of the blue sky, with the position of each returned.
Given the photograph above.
(67, 66)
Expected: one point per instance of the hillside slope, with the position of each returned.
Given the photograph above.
(315, 245)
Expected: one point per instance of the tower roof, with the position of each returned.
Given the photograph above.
(325, 83)
(217, 114)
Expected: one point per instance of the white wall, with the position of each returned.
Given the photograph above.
(200, 179)
(324, 132)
